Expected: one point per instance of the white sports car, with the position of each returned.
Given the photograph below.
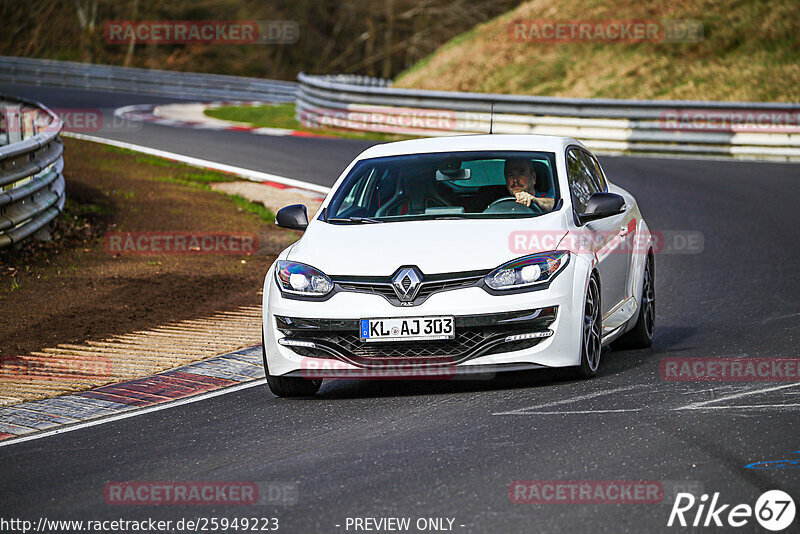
(440, 257)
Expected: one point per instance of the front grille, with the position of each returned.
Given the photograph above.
(429, 288)
(431, 352)
(467, 343)
(476, 335)
(384, 290)
(351, 342)
(430, 284)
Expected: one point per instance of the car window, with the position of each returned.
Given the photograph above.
(597, 172)
(483, 172)
(582, 182)
(357, 195)
(486, 172)
(413, 186)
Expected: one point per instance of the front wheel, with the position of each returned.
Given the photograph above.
(592, 332)
(284, 386)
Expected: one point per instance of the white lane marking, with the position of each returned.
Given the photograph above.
(250, 174)
(702, 404)
(780, 317)
(749, 406)
(133, 412)
(573, 412)
(577, 398)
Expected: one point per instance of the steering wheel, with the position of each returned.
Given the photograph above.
(510, 205)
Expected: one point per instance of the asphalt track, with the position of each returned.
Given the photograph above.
(451, 449)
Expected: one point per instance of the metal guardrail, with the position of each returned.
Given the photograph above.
(31, 169)
(605, 125)
(143, 81)
(371, 104)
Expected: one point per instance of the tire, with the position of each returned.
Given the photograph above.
(641, 335)
(284, 386)
(591, 333)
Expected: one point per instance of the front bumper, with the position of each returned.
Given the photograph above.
(311, 336)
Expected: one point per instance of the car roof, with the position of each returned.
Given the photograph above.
(458, 143)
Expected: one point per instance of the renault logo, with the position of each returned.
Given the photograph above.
(406, 283)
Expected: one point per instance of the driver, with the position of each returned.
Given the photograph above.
(520, 181)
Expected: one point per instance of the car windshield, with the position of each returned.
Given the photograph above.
(446, 185)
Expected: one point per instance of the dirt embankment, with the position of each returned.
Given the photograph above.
(76, 288)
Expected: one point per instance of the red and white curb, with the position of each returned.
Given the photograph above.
(192, 115)
(189, 383)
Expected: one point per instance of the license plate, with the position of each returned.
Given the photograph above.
(408, 328)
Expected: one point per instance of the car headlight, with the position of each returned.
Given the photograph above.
(528, 271)
(301, 279)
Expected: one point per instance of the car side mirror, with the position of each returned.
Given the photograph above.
(294, 217)
(602, 205)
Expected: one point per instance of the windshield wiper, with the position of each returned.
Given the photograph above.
(354, 220)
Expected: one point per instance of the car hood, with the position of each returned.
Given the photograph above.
(442, 246)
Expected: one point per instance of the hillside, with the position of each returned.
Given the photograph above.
(749, 51)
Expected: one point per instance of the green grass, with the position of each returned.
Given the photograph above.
(283, 116)
(186, 175)
(78, 210)
(274, 116)
(264, 213)
(254, 207)
(184, 172)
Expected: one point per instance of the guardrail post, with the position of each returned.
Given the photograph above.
(13, 122)
(3, 134)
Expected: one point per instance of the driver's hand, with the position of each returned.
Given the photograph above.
(523, 197)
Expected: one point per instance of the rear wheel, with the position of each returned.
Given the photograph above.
(285, 386)
(641, 336)
(592, 332)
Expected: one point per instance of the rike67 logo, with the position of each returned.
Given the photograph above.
(774, 510)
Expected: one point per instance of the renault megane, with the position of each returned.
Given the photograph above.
(459, 255)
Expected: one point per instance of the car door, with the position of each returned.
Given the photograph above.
(602, 235)
(627, 228)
